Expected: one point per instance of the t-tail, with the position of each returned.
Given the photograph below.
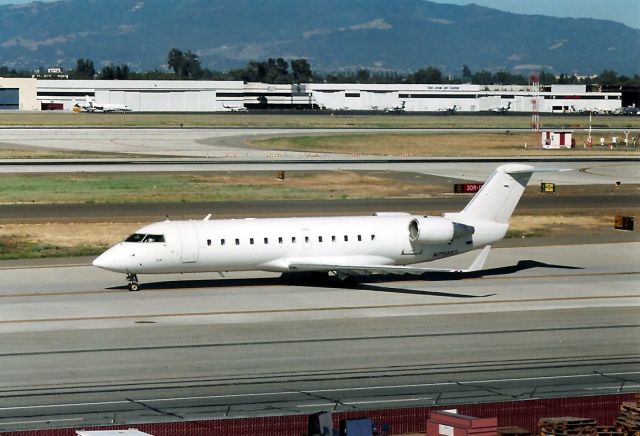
(491, 208)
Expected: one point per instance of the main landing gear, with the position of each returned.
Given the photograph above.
(133, 282)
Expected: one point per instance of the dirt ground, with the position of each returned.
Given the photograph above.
(108, 233)
(581, 213)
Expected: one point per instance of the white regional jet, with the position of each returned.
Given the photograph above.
(90, 106)
(346, 246)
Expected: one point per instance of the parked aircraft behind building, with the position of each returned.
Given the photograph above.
(90, 106)
(502, 109)
(347, 246)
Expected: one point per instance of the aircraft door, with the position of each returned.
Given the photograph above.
(188, 242)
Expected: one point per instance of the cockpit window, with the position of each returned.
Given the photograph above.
(153, 238)
(136, 237)
(139, 237)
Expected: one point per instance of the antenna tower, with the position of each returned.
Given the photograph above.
(535, 99)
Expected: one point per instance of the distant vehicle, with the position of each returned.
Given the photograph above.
(386, 242)
(630, 110)
(235, 108)
(501, 109)
(90, 106)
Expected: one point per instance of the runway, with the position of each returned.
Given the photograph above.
(154, 150)
(78, 349)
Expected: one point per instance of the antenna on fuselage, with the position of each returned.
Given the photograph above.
(207, 217)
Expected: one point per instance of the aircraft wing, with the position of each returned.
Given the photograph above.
(346, 268)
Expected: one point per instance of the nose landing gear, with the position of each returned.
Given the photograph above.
(133, 285)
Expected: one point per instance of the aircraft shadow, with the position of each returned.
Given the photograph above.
(451, 276)
(370, 283)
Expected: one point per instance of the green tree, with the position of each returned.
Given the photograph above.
(301, 71)
(184, 64)
(466, 72)
(608, 77)
(363, 76)
(427, 75)
(175, 59)
(482, 78)
(546, 78)
(277, 71)
(84, 69)
(111, 72)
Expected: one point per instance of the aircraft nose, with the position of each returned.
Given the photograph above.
(110, 260)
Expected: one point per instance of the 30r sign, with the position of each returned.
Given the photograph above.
(467, 188)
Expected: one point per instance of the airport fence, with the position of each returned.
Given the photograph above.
(524, 414)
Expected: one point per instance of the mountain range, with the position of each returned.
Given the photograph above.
(334, 35)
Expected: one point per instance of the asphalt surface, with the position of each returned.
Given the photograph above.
(531, 202)
(78, 349)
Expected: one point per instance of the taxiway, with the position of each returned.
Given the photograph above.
(79, 349)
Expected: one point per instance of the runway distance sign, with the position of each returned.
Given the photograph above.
(466, 188)
(547, 187)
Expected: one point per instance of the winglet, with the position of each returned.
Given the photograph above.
(478, 263)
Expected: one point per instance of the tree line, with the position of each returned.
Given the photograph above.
(186, 65)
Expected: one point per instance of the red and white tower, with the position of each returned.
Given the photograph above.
(535, 98)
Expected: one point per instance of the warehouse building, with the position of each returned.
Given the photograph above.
(220, 96)
(142, 95)
(463, 98)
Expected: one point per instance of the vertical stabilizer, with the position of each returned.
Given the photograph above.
(498, 197)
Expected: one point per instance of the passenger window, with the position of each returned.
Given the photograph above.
(346, 238)
(279, 239)
(221, 241)
(237, 241)
(251, 241)
(333, 238)
(293, 239)
(319, 238)
(359, 237)
(306, 239)
(266, 240)
(208, 241)
(373, 237)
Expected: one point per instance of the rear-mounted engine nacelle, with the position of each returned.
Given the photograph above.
(437, 230)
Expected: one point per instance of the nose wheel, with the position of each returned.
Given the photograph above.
(133, 285)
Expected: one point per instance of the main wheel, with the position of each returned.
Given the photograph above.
(133, 287)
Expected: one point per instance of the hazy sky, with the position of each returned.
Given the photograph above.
(623, 11)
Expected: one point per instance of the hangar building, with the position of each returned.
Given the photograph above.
(219, 96)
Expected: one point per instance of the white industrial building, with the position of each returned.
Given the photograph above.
(18, 94)
(462, 98)
(219, 96)
(142, 95)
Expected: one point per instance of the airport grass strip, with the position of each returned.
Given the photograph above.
(128, 188)
(14, 247)
(451, 144)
